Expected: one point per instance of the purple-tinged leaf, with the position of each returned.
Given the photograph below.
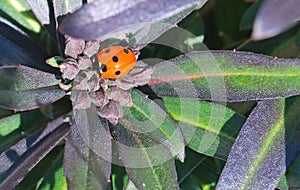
(93, 21)
(148, 164)
(274, 17)
(17, 161)
(87, 160)
(23, 88)
(147, 34)
(226, 76)
(19, 38)
(14, 55)
(266, 145)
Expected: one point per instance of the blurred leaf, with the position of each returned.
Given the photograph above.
(274, 17)
(102, 17)
(208, 128)
(148, 118)
(17, 161)
(48, 173)
(227, 16)
(291, 178)
(284, 45)
(87, 160)
(9, 124)
(14, 55)
(119, 177)
(17, 11)
(249, 16)
(192, 161)
(18, 38)
(208, 173)
(226, 76)
(266, 149)
(24, 88)
(54, 177)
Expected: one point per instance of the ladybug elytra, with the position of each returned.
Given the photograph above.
(115, 61)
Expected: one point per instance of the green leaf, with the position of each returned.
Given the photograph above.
(291, 178)
(266, 145)
(87, 159)
(208, 128)
(19, 12)
(146, 117)
(9, 124)
(161, 177)
(54, 177)
(249, 16)
(192, 161)
(23, 88)
(226, 76)
(149, 164)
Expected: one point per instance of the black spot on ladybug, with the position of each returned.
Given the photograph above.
(115, 59)
(118, 72)
(126, 51)
(103, 68)
(107, 51)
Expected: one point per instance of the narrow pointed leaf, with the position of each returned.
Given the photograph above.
(208, 128)
(291, 178)
(264, 148)
(274, 17)
(87, 160)
(148, 164)
(17, 161)
(249, 16)
(14, 55)
(24, 88)
(17, 38)
(146, 117)
(226, 76)
(101, 21)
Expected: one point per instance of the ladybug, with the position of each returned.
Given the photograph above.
(115, 61)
